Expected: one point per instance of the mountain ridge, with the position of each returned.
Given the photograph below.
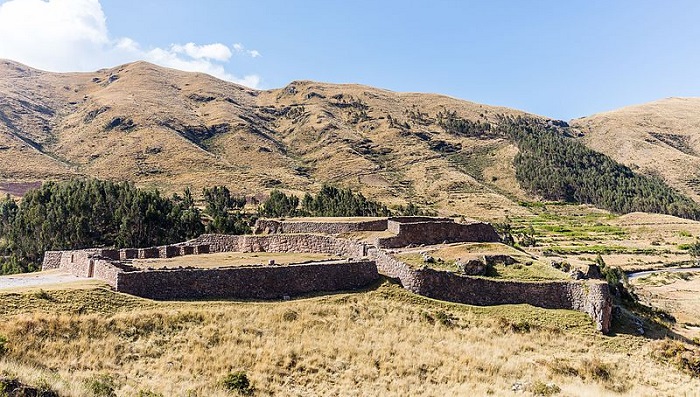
(168, 129)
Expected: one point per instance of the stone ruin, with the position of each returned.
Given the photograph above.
(366, 262)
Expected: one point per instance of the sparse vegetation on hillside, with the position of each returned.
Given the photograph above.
(463, 127)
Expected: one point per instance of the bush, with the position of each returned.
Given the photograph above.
(596, 370)
(238, 382)
(41, 294)
(101, 386)
(148, 393)
(685, 358)
(540, 388)
(3, 345)
(290, 315)
(446, 319)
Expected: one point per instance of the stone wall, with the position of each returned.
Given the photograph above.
(106, 271)
(77, 262)
(310, 243)
(591, 297)
(269, 282)
(437, 232)
(271, 226)
(263, 282)
(52, 260)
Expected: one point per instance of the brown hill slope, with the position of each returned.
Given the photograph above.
(661, 138)
(170, 129)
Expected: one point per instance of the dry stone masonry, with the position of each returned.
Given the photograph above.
(365, 264)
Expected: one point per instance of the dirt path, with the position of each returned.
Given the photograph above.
(36, 279)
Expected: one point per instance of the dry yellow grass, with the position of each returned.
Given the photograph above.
(381, 342)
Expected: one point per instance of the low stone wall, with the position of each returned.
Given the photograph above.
(52, 260)
(591, 297)
(77, 262)
(309, 243)
(394, 222)
(106, 271)
(272, 226)
(270, 282)
(437, 232)
(265, 282)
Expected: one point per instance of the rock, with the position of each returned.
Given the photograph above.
(639, 325)
(562, 265)
(576, 274)
(594, 272)
(499, 259)
(519, 387)
(473, 267)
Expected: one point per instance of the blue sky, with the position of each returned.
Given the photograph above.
(562, 59)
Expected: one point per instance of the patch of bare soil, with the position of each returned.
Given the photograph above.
(18, 189)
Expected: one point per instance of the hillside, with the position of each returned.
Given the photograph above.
(169, 129)
(661, 137)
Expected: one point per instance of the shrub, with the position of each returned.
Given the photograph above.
(445, 319)
(148, 393)
(101, 386)
(540, 388)
(685, 358)
(596, 370)
(238, 382)
(290, 315)
(518, 327)
(41, 294)
(3, 345)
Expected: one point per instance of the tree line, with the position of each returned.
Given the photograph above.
(560, 168)
(93, 213)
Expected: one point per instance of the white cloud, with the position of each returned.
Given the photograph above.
(72, 35)
(241, 49)
(217, 51)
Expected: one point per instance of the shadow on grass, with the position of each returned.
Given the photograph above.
(630, 318)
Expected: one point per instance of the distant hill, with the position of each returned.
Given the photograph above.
(661, 138)
(169, 129)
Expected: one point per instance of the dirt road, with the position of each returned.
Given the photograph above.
(36, 279)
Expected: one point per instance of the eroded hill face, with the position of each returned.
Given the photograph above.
(169, 129)
(661, 138)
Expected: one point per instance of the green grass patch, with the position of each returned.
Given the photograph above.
(603, 250)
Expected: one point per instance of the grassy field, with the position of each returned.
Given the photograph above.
(676, 293)
(578, 233)
(381, 341)
(446, 257)
(384, 341)
(230, 259)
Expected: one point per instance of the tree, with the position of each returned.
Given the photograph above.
(279, 205)
(694, 251)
